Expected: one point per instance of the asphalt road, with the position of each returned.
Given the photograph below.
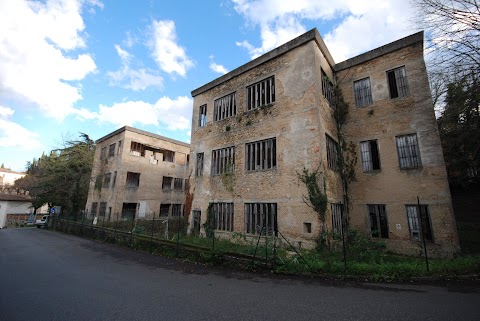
(46, 275)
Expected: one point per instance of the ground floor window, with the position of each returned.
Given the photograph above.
(419, 221)
(261, 218)
(164, 210)
(177, 210)
(223, 216)
(129, 210)
(336, 210)
(378, 220)
(197, 216)
(103, 209)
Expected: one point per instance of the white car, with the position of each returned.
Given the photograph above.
(42, 222)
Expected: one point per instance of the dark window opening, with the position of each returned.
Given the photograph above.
(378, 220)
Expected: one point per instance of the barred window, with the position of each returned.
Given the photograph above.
(363, 92)
(337, 220)
(119, 148)
(177, 210)
(370, 156)
(202, 117)
(328, 89)
(199, 165)
(378, 220)
(164, 210)
(106, 180)
(397, 82)
(223, 160)
(261, 155)
(167, 183)
(261, 218)
(260, 94)
(168, 155)
(133, 180)
(111, 150)
(332, 150)
(103, 153)
(178, 184)
(137, 149)
(408, 151)
(93, 209)
(223, 216)
(103, 209)
(224, 107)
(419, 223)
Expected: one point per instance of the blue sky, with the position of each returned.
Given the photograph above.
(92, 66)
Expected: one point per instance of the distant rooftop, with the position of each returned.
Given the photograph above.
(6, 170)
(142, 132)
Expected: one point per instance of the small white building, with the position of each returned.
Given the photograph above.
(13, 204)
(8, 177)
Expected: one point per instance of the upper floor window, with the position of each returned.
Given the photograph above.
(408, 151)
(199, 165)
(167, 183)
(133, 180)
(261, 155)
(224, 107)
(168, 155)
(332, 151)
(178, 184)
(327, 89)
(202, 117)
(260, 94)
(397, 82)
(103, 153)
(119, 149)
(111, 150)
(223, 160)
(419, 222)
(370, 156)
(363, 92)
(137, 149)
(106, 180)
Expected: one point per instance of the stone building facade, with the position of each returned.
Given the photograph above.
(256, 128)
(138, 174)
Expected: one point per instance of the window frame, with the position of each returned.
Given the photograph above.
(265, 213)
(199, 164)
(368, 164)
(106, 180)
(223, 219)
(225, 107)
(413, 158)
(131, 181)
(328, 88)
(261, 155)
(178, 184)
(111, 150)
(261, 93)
(400, 84)
(337, 222)
(363, 94)
(103, 153)
(429, 237)
(378, 210)
(223, 161)
(202, 115)
(332, 152)
(167, 183)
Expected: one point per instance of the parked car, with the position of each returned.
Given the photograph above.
(42, 222)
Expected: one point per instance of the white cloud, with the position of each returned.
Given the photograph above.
(14, 135)
(174, 114)
(35, 41)
(130, 78)
(216, 67)
(6, 112)
(360, 25)
(169, 56)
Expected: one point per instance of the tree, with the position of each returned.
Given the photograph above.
(63, 177)
(459, 127)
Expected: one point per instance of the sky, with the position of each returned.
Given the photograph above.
(93, 66)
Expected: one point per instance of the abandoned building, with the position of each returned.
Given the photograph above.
(256, 128)
(137, 174)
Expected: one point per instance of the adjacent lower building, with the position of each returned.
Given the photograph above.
(258, 127)
(138, 174)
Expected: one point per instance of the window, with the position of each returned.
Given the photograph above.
(408, 151)
(178, 184)
(167, 183)
(397, 82)
(336, 210)
(106, 180)
(93, 209)
(417, 224)
(114, 178)
(199, 167)
(164, 210)
(370, 157)
(196, 222)
(223, 216)
(177, 210)
(137, 149)
(363, 92)
(111, 150)
(378, 220)
(261, 155)
(119, 149)
(260, 94)
(332, 150)
(133, 180)
(168, 155)
(261, 218)
(202, 119)
(103, 153)
(327, 89)
(223, 160)
(224, 107)
(103, 209)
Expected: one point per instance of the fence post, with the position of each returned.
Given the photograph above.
(131, 231)
(178, 235)
(423, 234)
(151, 236)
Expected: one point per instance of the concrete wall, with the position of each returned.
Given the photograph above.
(13, 207)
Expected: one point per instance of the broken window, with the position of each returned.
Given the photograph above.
(119, 149)
(133, 180)
(224, 107)
(199, 165)
(106, 180)
(223, 160)
(260, 94)
(378, 220)
(336, 210)
(177, 210)
(164, 210)
(223, 216)
(370, 156)
(332, 153)
(167, 183)
(363, 92)
(114, 178)
(103, 153)
(202, 118)
(129, 210)
(408, 151)
(328, 89)
(261, 155)
(178, 184)
(93, 209)
(261, 218)
(137, 149)
(419, 223)
(168, 155)
(111, 150)
(397, 82)
(103, 209)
